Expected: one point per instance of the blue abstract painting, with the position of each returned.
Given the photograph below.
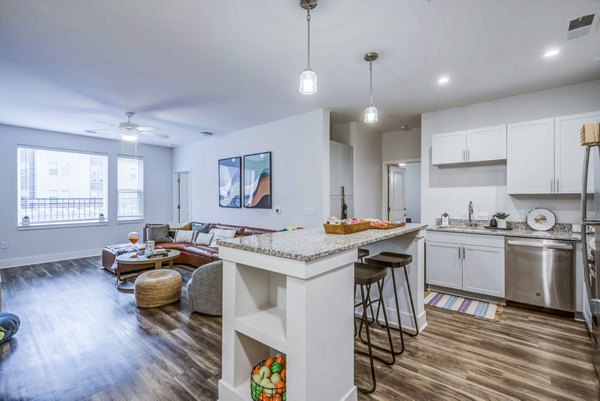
(230, 183)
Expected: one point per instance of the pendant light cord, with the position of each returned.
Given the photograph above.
(308, 21)
(371, 81)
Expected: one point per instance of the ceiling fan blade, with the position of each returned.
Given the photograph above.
(106, 130)
(147, 128)
(105, 123)
(152, 133)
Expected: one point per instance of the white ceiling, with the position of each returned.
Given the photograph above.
(188, 66)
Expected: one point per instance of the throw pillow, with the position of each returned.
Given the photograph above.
(180, 226)
(201, 227)
(203, 238)
(158, 233)
(220, 234)
(185, 236)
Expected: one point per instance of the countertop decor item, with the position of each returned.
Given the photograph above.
(445, 219)
(501, 219)
(540, 219)
(335, 226)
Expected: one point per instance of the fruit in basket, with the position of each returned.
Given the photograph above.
(264, 373)
(269, 362)
(268, 387)
(277, 397)
(280, 387)
(283, 375)
(275, 378)
(276, 367)
(280, 359)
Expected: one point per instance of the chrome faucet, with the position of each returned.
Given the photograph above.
(470, 213)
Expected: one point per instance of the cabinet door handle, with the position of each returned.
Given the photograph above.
(468, 154)
(459, 252)
(551, 185)
(464, 156)
(464, 253)
(557, 187)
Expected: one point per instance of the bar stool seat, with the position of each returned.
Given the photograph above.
(365, 274)
(391, 259)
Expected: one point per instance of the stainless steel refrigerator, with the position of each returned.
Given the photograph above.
(591, 249)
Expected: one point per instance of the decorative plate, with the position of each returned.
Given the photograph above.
(541, 219)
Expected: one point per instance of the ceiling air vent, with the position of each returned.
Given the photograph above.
(579, 27)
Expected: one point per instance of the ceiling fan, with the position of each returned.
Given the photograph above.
(129, 131)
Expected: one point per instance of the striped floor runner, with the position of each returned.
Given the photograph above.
(483, 309)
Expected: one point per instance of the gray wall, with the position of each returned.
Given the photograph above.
(29, 245)
(450, 189)
(401, 145)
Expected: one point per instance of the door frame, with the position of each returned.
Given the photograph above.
(175, 197)
(385, 182)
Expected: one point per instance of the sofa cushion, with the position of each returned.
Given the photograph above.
(203, 239)
(185, 236)
(201, 250)
(158, 233)
(201, 227)
(239, 230)
(221, 233)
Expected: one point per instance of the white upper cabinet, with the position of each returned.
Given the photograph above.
(340, 168)
(485, 144)
(530, 161)
(569, 152)
(449, 148)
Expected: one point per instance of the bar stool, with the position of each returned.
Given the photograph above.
(365, 276)
(396, 261)
(362, 254)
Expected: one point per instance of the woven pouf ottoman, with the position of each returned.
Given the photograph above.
(157, 288)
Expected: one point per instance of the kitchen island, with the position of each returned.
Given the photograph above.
(293, 293)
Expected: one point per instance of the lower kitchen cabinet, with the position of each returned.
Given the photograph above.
(473, 263)
(444, 265)
(483, 270)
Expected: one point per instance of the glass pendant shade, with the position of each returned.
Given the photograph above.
(308, 82)
(371, 114)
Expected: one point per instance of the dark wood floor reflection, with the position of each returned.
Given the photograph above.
(80, 339)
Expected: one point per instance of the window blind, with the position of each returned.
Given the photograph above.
(60, 186)
(130, 188)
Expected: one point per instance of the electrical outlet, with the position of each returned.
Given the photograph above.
(278, 210)
(4, 244)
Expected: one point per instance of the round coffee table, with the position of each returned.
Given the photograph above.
(141, 259)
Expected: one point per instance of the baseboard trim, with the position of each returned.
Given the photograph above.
(53, 257)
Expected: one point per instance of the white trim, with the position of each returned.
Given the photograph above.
(62, 225)
(133, 221)
(175, 197)
(54, 257)
(384, 182)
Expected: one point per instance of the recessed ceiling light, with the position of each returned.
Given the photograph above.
(551, 52)
(443, 80)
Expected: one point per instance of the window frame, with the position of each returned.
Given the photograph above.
(63, 223)
(138, 218)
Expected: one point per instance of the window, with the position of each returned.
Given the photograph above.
(130, 188)
(57, 186)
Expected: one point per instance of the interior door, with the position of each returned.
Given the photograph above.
(569, 153)
(183, 197)
(396, 186)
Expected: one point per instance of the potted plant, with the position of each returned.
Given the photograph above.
(501, 218)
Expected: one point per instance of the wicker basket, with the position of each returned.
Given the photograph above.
(258, 392)
(346, 229)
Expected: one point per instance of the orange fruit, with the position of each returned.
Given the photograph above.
(269, 362)
(280, 359)
(280, 386)
(277, 397)
(283, 373)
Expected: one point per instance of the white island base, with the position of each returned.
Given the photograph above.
(293, 293)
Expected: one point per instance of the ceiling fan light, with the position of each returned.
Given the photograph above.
(371, 114)
(308, 82)
(128, 137)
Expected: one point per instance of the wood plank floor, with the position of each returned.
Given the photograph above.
(80, 339)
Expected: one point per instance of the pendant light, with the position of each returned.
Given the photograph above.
(308, 78)
(371, 111)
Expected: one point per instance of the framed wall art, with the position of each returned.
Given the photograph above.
(230, 182)
(257, 181)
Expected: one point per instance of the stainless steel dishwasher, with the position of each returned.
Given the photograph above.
(541, 272)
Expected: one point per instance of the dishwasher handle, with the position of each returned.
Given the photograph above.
(540, 245)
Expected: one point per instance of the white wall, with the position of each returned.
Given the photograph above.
(366, 144)
(30, 245)
(299, 149)
(449, 189)
(401, 145)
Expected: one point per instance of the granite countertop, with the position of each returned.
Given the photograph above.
(560, 232)
(311, 244)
